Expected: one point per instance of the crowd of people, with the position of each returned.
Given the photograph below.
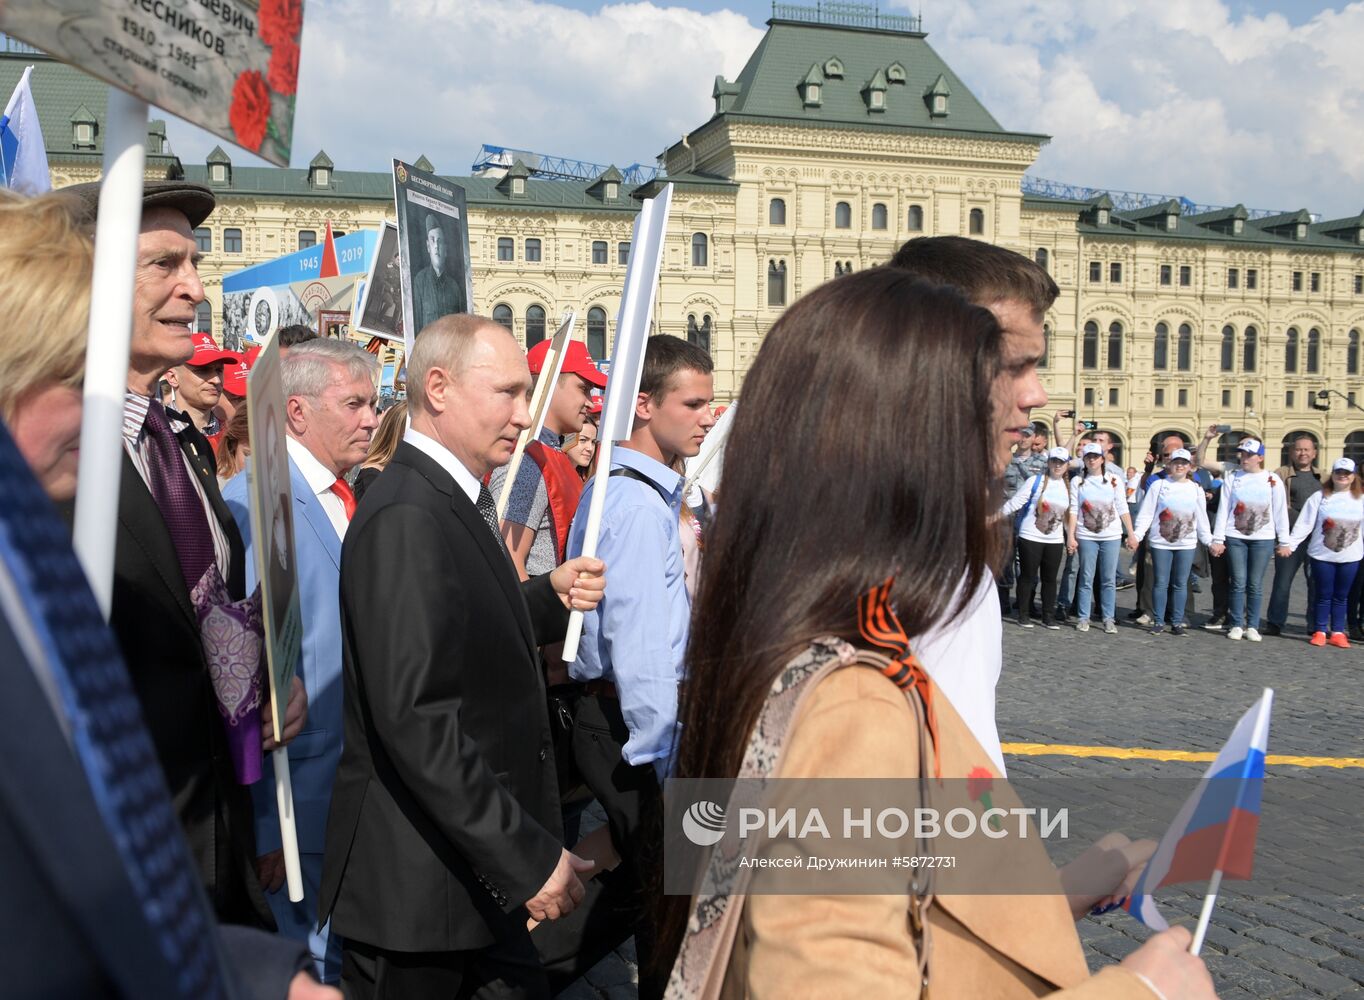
(441, 749)
(1186, 519)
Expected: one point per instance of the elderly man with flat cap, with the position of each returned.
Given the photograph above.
(175, 535)
(435, 291)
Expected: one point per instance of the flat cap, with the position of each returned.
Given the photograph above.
(195, 200)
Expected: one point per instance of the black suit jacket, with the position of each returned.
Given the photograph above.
(158, 634)
(445, 812)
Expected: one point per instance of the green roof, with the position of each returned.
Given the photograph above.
(362, 185)
(792, 52)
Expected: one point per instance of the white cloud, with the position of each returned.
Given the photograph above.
(440, 77)
(1185, 98)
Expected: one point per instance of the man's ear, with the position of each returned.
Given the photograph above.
(296, 415)
(171, 379)
(644, 408)
(438, 387)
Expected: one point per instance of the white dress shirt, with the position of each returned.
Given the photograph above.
(320, 480)
(443, 457)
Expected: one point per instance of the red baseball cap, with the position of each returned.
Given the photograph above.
(234, 377)
(594, 407)
(206, 351)
(576, 362)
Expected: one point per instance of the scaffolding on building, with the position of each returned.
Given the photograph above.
(495, 161)
(1133, 201)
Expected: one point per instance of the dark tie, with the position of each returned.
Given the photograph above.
(176, 497)
(342, 489)
(107, 732)
(488, 509)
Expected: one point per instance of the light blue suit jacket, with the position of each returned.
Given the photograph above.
(315, 752)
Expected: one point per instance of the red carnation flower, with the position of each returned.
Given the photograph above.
(280, 21)
(283, 73)
(979, 782)
(250, 111)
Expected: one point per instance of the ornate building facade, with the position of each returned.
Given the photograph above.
(835, 144)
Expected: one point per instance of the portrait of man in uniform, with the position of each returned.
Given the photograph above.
(436, 291)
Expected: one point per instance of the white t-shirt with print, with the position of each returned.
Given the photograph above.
(1334, 524)
(1098, 503)
(1045, 520)
(1176, 515)
(1252, 506)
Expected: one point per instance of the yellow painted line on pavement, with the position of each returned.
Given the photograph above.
(1147, 753)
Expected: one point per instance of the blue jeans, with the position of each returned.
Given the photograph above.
(1170, 572)
(1333, 587)
(1106, 555)
(1247, 561)
(1285, 570)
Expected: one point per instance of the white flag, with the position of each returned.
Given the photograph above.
(23, 157)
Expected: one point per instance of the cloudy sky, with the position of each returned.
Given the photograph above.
(1223, 101)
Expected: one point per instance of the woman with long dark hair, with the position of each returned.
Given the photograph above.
(863, 538)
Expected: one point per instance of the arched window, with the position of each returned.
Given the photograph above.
(502, 314)
(1161, 360)
(776, 282)
(699, 335)
(1158, 440)
(1046, 346)
(203, 318)
(535, 326)
(1352, 354)
(1289, 440)
(700, 250)
(915, 223)
(1184, 352)
(1313, 351)
(977, 222)
(1115, 347)
(1090, 351)
(1354, 447)
(838, 269)
(1248, 349)
(842, 215)
(879, 217)
(776, 212)
(1228, 349)
(596, 332)
(1290, 350)
(1226, 446)
(1042, 257)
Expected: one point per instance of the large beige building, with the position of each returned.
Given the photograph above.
(842, 138)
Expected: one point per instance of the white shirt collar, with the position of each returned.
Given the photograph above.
(318, 477)
(442, 456)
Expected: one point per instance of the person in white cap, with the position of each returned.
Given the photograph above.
(1098, 513)
(1039, 509)
(1333, 518)
(1175, 506)
(1251, 512)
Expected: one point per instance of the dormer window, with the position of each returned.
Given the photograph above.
(85, 134)
(875, 92)
(514, 182)
(322, 177)
(320, 170)
(939, 104)
(833, 69)
(877, 99)
(811, 87)
(518, 185)
(1171, 223)
(612, 191)
(895, 73)
(1238, 226)
(217, 173)
(1102, 216)
(83, 128)
(1301, 231)
(937, 96)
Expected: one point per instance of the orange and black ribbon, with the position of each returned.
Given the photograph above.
(880, 627)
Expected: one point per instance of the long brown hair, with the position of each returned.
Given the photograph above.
(387, 438)
(1328, 485)
(857, 371)
(232, 444)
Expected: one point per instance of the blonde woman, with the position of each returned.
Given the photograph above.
(45, 266)
(381, 448)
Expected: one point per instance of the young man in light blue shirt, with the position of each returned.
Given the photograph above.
(630, 660)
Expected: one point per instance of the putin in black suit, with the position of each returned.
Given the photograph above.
(444, 831)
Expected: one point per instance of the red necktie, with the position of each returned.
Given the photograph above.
(342, 489)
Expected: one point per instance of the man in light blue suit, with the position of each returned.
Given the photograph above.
(329, 389)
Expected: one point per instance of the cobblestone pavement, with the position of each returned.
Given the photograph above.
(1294, 931)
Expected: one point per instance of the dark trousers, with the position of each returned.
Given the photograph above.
(633, 801)
(509, 970)
(1354, 603)
(1035, 556)
(1334, 581)
(1285, 569)
(1221, 584)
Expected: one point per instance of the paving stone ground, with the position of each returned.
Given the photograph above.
(1295, 930)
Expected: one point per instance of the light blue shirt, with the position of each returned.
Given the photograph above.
(637, 635)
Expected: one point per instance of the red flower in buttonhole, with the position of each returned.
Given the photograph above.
(250, 111)
(283, 72)
(280, 21)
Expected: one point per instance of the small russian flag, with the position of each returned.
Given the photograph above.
(1216, 827)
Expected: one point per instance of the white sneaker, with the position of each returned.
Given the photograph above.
(1236, 633)
(1252, 635)
(1082, 625)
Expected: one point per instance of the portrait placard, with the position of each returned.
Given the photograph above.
(433, 247)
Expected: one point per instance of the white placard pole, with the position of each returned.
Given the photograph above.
(107, 345)
(539, 406)
(1209, 901)
(284, 799)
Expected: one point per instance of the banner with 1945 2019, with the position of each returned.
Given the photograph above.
(228, 66)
